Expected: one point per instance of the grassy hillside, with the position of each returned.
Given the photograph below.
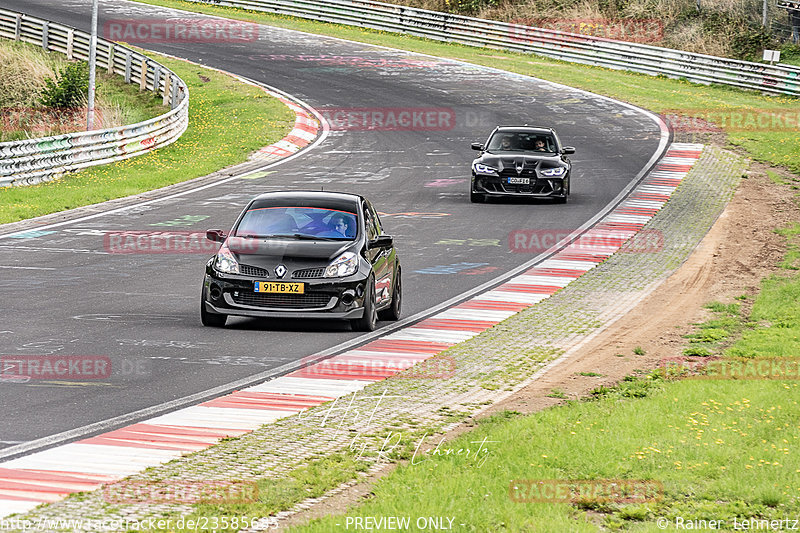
(23, 71)
(731, 28)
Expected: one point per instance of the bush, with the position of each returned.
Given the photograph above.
(750, 42)
(68, 89)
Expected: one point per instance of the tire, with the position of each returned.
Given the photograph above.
(211, 320)
(476, 197)
(370, 318)
(393, 311)
(561, 199)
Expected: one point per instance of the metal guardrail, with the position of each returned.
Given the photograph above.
(31, 161)
(576, 48)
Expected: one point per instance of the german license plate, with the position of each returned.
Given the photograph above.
(280, 287)
(519, 181)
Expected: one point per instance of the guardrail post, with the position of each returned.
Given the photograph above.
(46, 36)
(174, 101)
(143, 75)
(70, 42)
(110, 65)
(167, 87)
(17, 27)
(156, 78)
(128, 60)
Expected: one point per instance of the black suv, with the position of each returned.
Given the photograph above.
(521, 161)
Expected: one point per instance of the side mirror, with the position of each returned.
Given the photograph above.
(383, 241)
(568, 150)
(477, 146)
(216, 235)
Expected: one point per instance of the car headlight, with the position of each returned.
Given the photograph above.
(480, 168)
(344, 265)
(556, 171)
(226, 262)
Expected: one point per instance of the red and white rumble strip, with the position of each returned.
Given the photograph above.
(87, 464)
(305, 131)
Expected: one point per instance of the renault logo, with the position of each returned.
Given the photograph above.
(280, 271)
(520, 166)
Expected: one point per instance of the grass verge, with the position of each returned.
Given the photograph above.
(725, 108)
(23, 70)
(221, 108)
(275, 495)
(723, 450)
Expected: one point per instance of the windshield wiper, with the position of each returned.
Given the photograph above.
(300, 236)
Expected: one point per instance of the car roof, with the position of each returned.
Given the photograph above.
(309, 198)
(322, 195)
(524, 129)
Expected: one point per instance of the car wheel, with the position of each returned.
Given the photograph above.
(211, 320)
(370, 318)
(393, 312)
(476, 197)
(561, 199)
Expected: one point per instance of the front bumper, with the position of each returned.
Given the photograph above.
(537, 188)
(331, 298)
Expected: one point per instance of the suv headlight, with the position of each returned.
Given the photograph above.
(480, 168)
(226, 262)
(342, 266)
(555, 171)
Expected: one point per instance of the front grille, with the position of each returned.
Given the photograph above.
(528, 172)
(313, 300)
(309, 273)
(248, 270)
(535, 187)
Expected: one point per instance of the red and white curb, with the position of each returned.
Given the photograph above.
(87, 464)
(306, 128)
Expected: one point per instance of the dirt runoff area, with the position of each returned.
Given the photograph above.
(741, 249)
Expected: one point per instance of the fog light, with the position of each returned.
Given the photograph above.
(348, 297)
(215, 291)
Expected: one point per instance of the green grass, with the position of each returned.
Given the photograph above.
(657, 94)
(23, 69)
(227, 120)
(275, 495)
(721, 449)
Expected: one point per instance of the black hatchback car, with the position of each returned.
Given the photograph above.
(521, 161)
(300, 254)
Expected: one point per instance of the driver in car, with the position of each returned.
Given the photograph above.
(506, 143)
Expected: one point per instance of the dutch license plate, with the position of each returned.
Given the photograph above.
(519, 181)
(280, 287)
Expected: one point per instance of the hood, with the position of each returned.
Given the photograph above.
(514, 160)
(267, 252)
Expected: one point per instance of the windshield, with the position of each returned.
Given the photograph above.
(298, 223)
(522, 142)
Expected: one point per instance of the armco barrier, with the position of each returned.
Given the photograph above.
(33, 160)
(577, 48)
